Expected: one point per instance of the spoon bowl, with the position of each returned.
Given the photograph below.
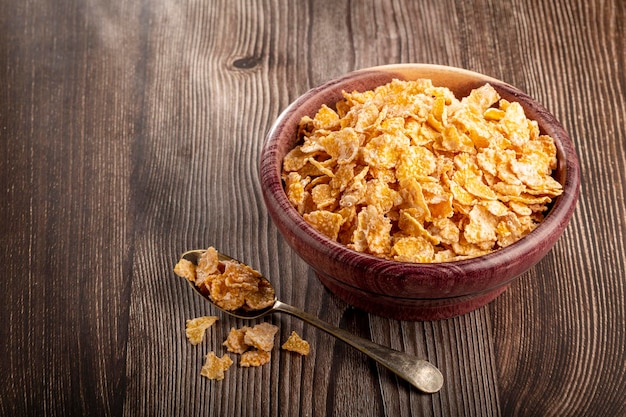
(243, 312)
(418, 372)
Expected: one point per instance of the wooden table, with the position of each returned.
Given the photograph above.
(130, 131)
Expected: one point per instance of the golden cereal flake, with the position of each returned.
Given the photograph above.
(373, 231)
(261, 336)
(481, 229)
(413, 249)
(195, 328)
(238, 275)
(326, 118)
(224, 296)
(322, 195)
(208, 266)
(214, 367)
(294, 187)
(254, 357)
(295, 160)
(416, 162)
(262, 298)
(342, 146)
(185, 269)
(296, 344)
(235, 341)
(325, 222)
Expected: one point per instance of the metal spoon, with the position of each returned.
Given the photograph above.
(420, 373)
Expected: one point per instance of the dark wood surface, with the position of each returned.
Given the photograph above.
(130, 131)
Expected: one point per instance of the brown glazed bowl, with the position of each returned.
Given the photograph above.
(413, 291)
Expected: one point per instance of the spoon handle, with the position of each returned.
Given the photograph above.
(420, 373)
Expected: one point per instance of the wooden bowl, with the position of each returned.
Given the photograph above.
(413, 291)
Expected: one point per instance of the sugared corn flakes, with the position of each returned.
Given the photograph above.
(409, 172)
(253, 344)
(186, 269)
(235, 341)
(214, 366)
(254, 357)
(261, 336)
(230, 284)
(296, 344)
(195, 328)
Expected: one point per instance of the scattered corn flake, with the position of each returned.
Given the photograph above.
(296, 344)
(254, 357)
(195, 328)
(410, 160)
(232, 284)
(261, 336)
(235, 341)
(214, 366)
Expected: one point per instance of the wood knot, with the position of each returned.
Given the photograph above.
(247, 62)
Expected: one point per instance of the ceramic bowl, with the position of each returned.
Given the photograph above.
(412, 291)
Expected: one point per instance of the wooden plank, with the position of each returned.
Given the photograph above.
(131, 132)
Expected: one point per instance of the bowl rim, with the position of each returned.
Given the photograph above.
(270, 164)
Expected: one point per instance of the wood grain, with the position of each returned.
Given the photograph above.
(130, 132)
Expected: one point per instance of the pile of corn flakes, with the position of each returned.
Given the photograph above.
(411, 173)
(230, 284)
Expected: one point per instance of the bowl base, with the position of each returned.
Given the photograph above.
(410, 309)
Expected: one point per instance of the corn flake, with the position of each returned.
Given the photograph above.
(195, 328)
(186, 269)
(296, 344)
(373, 231)
(325, 221)
(214, 366)
(235, 340)
(261, 336)
(254, 357)
(413, 249)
